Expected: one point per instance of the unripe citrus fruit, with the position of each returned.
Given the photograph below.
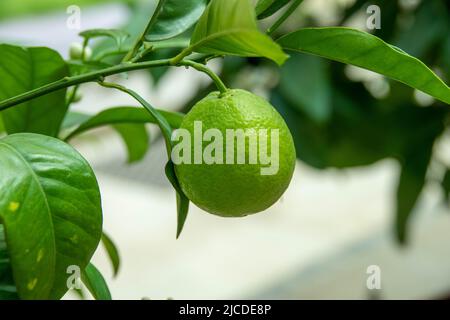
(229, 188)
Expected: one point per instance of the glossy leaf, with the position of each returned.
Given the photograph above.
(228, 27)
(120, 115)
(8, 289)
(266, 8)
(95, 283)
(119, 36)
(369, 52)
(24, 69)
(113, 253)
(48, 183)
(175, 18)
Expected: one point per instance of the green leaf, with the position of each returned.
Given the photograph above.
(266, 8)
(24, 69)
(50, 208)
(139, 11)
(119, 36)
(369, 52)
(136, 140)
(182, 200)
(175, 18)
(128, 122)
(74, 119)
(415, 161)
(113, 253)
(228, 27)
(412, 180)
(95, 283)
(305, 83)
(120, 115)
(8, 289)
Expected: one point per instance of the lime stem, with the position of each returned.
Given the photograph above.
(202, 68)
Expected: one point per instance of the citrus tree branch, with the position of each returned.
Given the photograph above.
(83, 78)
(100, 74)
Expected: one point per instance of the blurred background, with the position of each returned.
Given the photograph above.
(370, 152)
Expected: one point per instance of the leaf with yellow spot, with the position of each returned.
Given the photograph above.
(13, 206)
(60, 221)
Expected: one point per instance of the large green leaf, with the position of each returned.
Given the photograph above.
(51, 211)
(7, 287)
(367, 51)
(175, 18)
(95, 283)
(266, 8)
(24, 69)
(228, 27)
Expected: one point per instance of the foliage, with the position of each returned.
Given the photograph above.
(50, 210)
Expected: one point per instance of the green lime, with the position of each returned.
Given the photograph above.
(234, 154)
